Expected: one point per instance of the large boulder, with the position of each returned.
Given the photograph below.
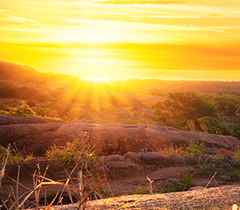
(11, 119)
(107, 139)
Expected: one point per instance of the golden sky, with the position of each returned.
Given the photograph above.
(167, 39)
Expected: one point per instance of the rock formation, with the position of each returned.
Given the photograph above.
(35, 135)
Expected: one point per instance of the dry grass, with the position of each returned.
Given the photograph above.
(42, 183)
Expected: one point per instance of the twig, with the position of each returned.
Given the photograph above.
(18, 175)
(210, 180)
(66, 186)
(11, 189)
(18, 183)
(4, 203)
(34, 186)
(80, 182)
(151, 189)
(2, 172)
(86, 197)
(49, 206)
(150, 182)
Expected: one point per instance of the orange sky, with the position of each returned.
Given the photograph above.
(167, 39)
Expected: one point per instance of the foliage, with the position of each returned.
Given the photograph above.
(214, 126)
(22, 92)
(237, 153)
(179, 185)
(187, 179)
(193, 149)
(4, 107)
(236, 134)
(226, 107)
(141, 190)
(44, 111)
(225, 103)
(22, 110)
(128, 121)
(15, 156)
(188, 106)
(73, 152)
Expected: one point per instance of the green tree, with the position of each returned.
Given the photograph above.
(214, 126)
(226, 107)
(186, 106)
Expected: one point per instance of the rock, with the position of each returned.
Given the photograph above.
(131, 156)
(120, 168)
(170, 172)
(35, 135)
(196, 188)
(111, 158)
(11, 119)
(183, 160)
(154, 158)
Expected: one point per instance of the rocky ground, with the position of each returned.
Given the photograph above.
(223, 197)
(131, 174)
(130, 157)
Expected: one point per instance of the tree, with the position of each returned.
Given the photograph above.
(226, 107)
(186, 106)
(214, 126)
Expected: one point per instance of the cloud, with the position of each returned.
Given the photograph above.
(152, 1)
(135, 2)
(146, 26)
(195, 16)
(23, 20)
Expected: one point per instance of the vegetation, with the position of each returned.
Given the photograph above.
(72, 153)
(132, 101)
(15, 156)
(141, 190)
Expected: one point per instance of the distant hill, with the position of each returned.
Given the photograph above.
(19, 73)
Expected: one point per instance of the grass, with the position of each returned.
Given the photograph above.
(14, 155)
(42, 183)
(72, 153)
(76, 152)
(192, 149)
(141, 190)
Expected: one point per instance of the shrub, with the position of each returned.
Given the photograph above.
(22, 110)
(45, 112)
(193, 149)
(73, 152)
(4, 107)
(15, 156)
(236, 134)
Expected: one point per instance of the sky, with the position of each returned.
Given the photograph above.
(165, 39)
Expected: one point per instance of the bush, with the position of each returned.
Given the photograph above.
(193, 149)
(4, 107)
(23, 110)
(45, 112)
(237, 134)
(72, 153)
